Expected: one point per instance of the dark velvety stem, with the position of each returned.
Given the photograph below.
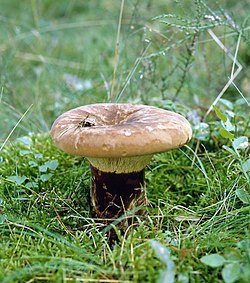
(113, 194)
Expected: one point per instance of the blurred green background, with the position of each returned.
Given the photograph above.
(55, 55)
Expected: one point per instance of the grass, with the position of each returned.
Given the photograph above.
(58, 55)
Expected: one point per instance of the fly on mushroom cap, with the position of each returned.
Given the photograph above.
(119, 130)
(119, 140)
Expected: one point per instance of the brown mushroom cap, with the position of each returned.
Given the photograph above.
(119, 130)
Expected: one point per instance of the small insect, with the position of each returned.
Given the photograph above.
(86, 122)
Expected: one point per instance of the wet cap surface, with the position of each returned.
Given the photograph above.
(116, 130)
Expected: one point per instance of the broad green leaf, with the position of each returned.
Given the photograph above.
(226, 134)
(213, 260)
(2, 218)
(43, 168)
(246, 165)
(45, 177)
(24, 152)
(183, 278)
(32, 164)
(166, 276)
(227, 103)
(202, 131)
(31, 185)
(244, 244)
(240, 101)
(25, 140)
(243, 195)
(240, 143)
(220, 115)
(231, 272)
(228, 126)
(52, 164)
(163, 253)
(17, 179)
(201, 126)
(230, 113)
(38, 156)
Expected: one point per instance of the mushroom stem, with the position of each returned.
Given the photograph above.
(113, 194)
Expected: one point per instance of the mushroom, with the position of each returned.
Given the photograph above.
(119, 140)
